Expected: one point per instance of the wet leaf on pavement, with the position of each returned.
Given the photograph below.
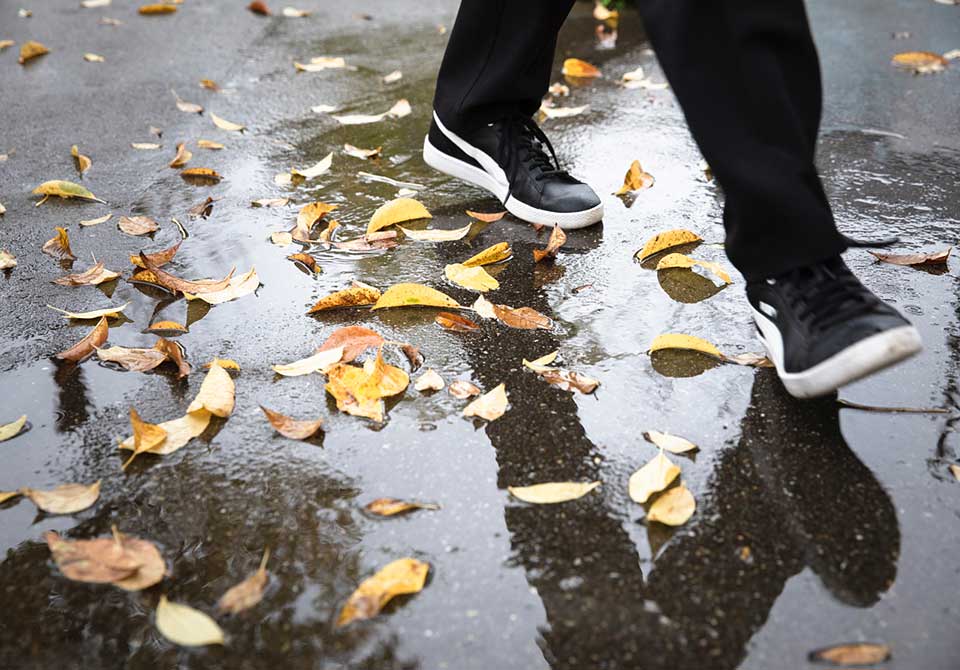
(186, 626)
(455, 322)
(133, 360)
(152, 568)
(557, 239)
(496, 253)
(216, 393)
(223, 124)
(137, 225)
(569, 380)
(237, 287)
(437, 235)
(667, 240)
(58, 246)
(671, 443)
(109, 312)
(64, 189)
(471, 278)
(524, 318)
(30, 50)
(552, 492)
(92, 276)
(146, 436)
(83, 163)
(177, 284)
(397, 211)
(247, 593)
(292, 428)
(392, 506)
(401, 577)
(579, 69)
(358, 295)
(673, 507)
(12, 429)
(486, 217)
(321, 168)
(202, 175)
(360, 391)
(920, 62)
(490, 406)
(308, 216)
(414, 295)
(429, 381)
(98, 561)
(179, 432)
(682, 261)
(169, 328)
(182, 157)
(97, 221)
(688, 342)
(64, 499)
(935, 258)
(318, 362)
(652, 478)
(157, 8)
(353, 340)
(362, 154)
(852, 654)
(462, 389)
(86, 346)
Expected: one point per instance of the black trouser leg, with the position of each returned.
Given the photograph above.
(498, 60)
(747, 75)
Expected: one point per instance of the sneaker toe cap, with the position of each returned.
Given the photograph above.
(569, 198)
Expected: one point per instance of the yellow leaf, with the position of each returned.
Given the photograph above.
(13, 428)
(652, 478)
(93, 276)
(83, 163)
(209, 144)
(574, 67)
(489, 406)
(146, 436)
(401, 577)
(166, 327)
(359, 391)
(97, 221)
(392, 506)
(158, 8)
(307, 218)
(921, 62)
(65, 189)
(359, 294)
(414, 295)
(320, 168)
(8, 495)
(667, 240)
(362, 154)
(290, 427)
(853, 654)
(237, 288)
(671, 443)
(216, 393)
(681, 261)
(557, 239)
(552, 492)
(319, 362)
(281, 238)
(31, 49)
(247, 593)
(429, 381)
(397, 211)
(225, 363)
(223, 124)
(542, 363)
(179, 432)
(494, 254)
(202, 174)
(186, 626)
(674, 507)
(65, 499)
(635, 180)
(109, 312)
(183, 156)
(472, 278)
(677, 341)
(7, 260)
(437, 235)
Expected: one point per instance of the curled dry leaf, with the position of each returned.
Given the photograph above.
(145, 146)
(689, 342)
(557, 239)
(183, 156)
(552, 492)
(64, 189)
(491, 217)
(223, 124)
(461, 389)
(397, 211)
(179, 432)
(353, 341)
(635, 180)
(109, 312)
(401, 577)
(490, 406)
(472, 278)
(306, 260)
(682, 261)
(437, 235)
(7, 260)
(307, 218)
(290, 427)
(94, 339)
(935, 258)
(674, 507)
(359, 294)
(921, 62)
(414, 295)
(652, 478)
(259, 7)
(852, 654)
(146, 436)
(157, 8)
(392, 506)
(493, 254)
(270, 202)
(92, 276)
(216, 394)
(210, 145)
(83, 163)
(176, 284)
(667, 240)
(202, 209)
(237, 287)
(12, 429)
(247, 593)
(362, 154)
(671, 443)
(131, 359)
(399, 110)
(95, 222)
(30, 50)
(451, 321)
(569, 380)
(201, 175)
(173, 353)
(58, 246)
(319, 362)
(186, 626)
(137, 225)
(429, 381)
(64, 499)
(574, 67)
(320, 168)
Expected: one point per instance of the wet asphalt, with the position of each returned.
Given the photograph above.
(815, 524)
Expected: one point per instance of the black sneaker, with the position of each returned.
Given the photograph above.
(510, 159)
(823, 329)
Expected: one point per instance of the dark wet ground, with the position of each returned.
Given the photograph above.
(814, 525)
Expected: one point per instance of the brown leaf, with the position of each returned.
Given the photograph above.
(152, 567)
(557, 239)
(184, 286)
(259, 7)
(99, 561)
(31, 49)
(201, 175)
(635, 180)
(455, 322)
(183, 156)
(95, 338)
(132, 359)
(306, 260)
(146, 436)
(137, 225)
(461, 389)
(289, 427)
(936, 258)
(401, 577)
(574, 67)
(58, 246)
(852, 654)
(486, 218)
(354, 340)
(524, 318)
(158, 8)
(384, 239)
(158, 258)
(307, 218)
(64, 499)
(173, 352)
(569, 380)
(247, 593)
(82, 162)
(359, 294)
(921, 62)
(97, 274)
(392, 506)
(210, 85)
(203, 209)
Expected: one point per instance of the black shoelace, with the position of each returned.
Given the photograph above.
(827, 294)
(522, 144)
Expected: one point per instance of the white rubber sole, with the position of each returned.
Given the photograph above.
(867, 356)
(493, 180)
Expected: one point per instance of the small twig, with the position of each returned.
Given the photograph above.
(901, 410)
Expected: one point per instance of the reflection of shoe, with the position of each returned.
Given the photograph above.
(513, 159)
(822, 496)
(823, 329)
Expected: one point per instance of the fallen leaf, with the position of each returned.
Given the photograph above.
(750, 360)
(559, 90)
(6, 44)
(674, 507)
(82, 162)
(109, 312)
(399, 110)
(64, 499)
(306, 260)
(210, 85)
(175, 354)
(352, 341)
(92, 276)
(30, 50)
(689, 342)
(920, 62)
(12, 429)
(936, 258)
(145, 146)
(414, 295)
(93, 58)
(202, 209)
(385, 239)
(326, 234)
(484, 308)
(183, 156)
(401, 577)
(270, 202)
(210, 145)
(393, 77)
(461, 389)
(7, 260)
(91, 4)
(574, 67)
(323, 109)
(179, 432)
(166, 327)
(437, 235)
(320, 168)
(182, 285)
(201, 174)
(392, 506)
(852, 654)
(667, 240)
(552, 492)
(636, 179)
(671, 443)
(319, 362)
(359, 294)
(64, 189)
(955, 471)
(99, 561)
(290, 427)
(638, 79)
(281, 238)
(653, 477)
(137, 225)
(216, 394)
(552, 112)
(294, 13)
(307, 218)
(186, 626)
(524, 318)
(429, 381)
(603, 13)
(238, 287)
(97, 221)
(541, 364)
(681, 261)
(187, 107)
(489, 406)
(491, 217)
(146, 436)
(8, 495)
(557, 239)
(320, 63)
(493, 254)
(569, 380)
(247, 593)
(397, 211)
(132, 359)
(363, 154)
(360, 391)
(259, 7)
(158, 8)
(451, 321)
(58, 246)
(472, 278)
(95, 338)
(367, 176)
(152, 568)
(223, 124)
(225, 363)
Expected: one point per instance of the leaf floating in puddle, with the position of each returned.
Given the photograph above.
(353, 341)
(360, 391)
(579, 69)
(306, 260)
(320, 362)
(687, 342)
(179, 432)
(549, 111)
(64, 499)
(95, 338)
(490, 406)
(401, 577)
(12, 429)
(397, 211)
(455, 322)
(82, 162)
(166, 327)
(569, 380)
(552, 492)
(682, 261)
(58, 246)
(247, 593)
(852, 654)
(429, 381)
(674, 507)
(137, 225)
(936, 258)
(414, 295)
(653, 477)
(177, 284)
(437, 235)
(392, 506)
(132, 359)
(93, 276)
(146, 436)
(358, 295)
(216, 394)
(186, 626)
(461, 389)
(362, 154)
(496, 253)
(152, 568)
(667, 240)
(557, 239)
(524, 318)
(98, 561)
(471, 278)
(109, 312)
(270, 202)
(237, 287)
(290, 427)
(320, 168)
(308, 216)
(491, 217)
(750, 360)
(671, 443)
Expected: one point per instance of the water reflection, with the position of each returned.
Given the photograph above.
(72, 401)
